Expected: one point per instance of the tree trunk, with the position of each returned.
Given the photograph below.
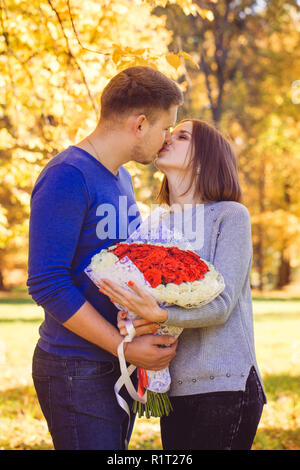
(260, 245)
(2, 286)
(284, 272)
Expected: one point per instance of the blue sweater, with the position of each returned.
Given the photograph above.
(74, 214)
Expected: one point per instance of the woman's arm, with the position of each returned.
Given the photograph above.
(232, 259)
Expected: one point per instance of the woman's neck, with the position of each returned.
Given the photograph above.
(177, 187)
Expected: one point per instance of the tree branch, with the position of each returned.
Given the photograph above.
(73, 58)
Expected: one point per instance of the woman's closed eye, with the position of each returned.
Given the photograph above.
(180, 136)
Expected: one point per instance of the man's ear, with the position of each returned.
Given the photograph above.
(140, 124)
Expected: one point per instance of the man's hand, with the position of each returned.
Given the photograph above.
(144, 351)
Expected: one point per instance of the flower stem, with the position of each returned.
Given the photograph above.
(157, 405)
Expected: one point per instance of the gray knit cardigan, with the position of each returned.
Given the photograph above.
(216, 348)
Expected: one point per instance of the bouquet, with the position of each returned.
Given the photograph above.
(174, 275)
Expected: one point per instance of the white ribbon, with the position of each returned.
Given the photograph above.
(125, 376)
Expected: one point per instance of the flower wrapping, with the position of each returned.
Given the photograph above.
(161, 260)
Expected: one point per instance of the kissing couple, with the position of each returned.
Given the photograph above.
(217, 392)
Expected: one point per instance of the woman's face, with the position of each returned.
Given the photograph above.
(175, 154)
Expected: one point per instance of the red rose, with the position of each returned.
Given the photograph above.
(153, 276)
(163, 264)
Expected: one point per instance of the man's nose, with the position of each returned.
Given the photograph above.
(168, 138)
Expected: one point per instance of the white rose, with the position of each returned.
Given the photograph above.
(103, 260)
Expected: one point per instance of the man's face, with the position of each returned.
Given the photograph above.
(155, 136)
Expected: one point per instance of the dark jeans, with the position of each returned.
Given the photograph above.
(214, 421)
(78, 401)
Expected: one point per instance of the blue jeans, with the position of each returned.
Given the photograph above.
(214, 421)
(78, 401)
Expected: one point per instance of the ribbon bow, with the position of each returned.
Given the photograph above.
(125, 379)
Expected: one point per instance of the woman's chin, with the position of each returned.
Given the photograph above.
(160, 163)
(156, 163)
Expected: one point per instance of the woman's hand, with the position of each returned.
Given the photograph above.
(136, 300)
(142, 327)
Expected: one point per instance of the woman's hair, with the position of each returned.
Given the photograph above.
(214, 166)
(139, 88)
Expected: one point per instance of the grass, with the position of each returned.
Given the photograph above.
(277, 326)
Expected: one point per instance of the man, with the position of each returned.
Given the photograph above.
(75, 363)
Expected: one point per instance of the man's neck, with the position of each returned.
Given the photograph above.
(106, 148)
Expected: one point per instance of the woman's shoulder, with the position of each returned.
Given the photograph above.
(231, 208)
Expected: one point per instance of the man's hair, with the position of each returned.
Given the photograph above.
(139, 89)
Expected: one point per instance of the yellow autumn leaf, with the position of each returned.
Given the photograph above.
(208, 15)
(116, 55)
(139, 51)
(187, 56)
(173, 60)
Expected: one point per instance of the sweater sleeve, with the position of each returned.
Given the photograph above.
(233, 256)
(58, 206)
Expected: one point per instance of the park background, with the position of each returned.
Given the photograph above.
(238, 63)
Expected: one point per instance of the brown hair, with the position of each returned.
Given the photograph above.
(214, 166)
(139, 88)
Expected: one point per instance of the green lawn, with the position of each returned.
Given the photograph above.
(277, 327)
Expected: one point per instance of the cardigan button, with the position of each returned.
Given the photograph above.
(194, 380)
(228, 375)
(211, 377)
(180, 382)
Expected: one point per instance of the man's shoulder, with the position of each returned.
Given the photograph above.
(62, 172)
(72, 156)
(63, 158)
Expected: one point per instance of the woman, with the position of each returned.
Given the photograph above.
(216, 392)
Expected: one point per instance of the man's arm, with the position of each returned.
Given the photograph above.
(58, 208)
(142, 352)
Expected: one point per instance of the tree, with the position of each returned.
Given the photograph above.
(56, 56)
(248, 57)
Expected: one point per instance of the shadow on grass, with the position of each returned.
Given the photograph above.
(22, 320)
(277, 439)
(19, 411)
(16, 300)
(14, 401)
(276, 317)
(19, 402)
(282, 384)
(14, 310)
(272, 299)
